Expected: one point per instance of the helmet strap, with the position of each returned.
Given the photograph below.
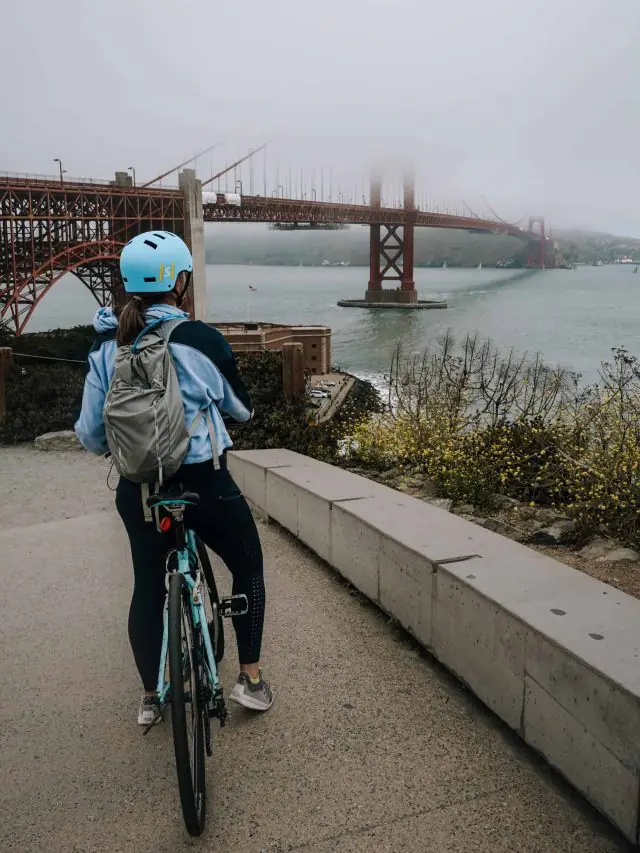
(182, 294)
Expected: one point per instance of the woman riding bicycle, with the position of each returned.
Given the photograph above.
(209, 384)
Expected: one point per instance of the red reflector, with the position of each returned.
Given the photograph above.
(165, 524)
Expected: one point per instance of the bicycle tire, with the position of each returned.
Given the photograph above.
(191, 775)
(217, 634)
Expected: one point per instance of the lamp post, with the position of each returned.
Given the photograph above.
(62, 171)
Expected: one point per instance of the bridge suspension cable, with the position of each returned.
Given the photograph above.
(473, 214)
(237, 163)
(499, 218)
(181, 165)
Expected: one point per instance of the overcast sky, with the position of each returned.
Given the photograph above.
(533, 103)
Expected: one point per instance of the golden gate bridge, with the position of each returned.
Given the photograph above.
(52, 226)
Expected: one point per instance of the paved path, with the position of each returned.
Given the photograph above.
(369, 747)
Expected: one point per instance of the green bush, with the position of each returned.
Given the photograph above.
(479, 422)
(59, 343)
(44, 396)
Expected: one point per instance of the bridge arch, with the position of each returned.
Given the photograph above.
(98, 260)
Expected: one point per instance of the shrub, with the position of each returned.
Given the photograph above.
(45, 396)
(477, 422)
(41, 398)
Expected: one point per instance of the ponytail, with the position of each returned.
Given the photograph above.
(131, 320)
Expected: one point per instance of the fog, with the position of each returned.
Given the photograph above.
(534, 106)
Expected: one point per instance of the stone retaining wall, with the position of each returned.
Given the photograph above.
(553, 652)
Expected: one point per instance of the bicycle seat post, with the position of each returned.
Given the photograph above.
(177, 511)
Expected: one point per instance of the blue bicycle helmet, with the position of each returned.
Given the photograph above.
(151, 262)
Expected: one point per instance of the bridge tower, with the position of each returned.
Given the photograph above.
(191, 189)
(391, 251)
(537, 243)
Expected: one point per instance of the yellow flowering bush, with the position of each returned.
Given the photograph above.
(479, 422)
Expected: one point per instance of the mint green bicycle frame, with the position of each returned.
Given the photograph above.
(186, 556)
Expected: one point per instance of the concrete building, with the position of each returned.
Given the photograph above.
(256, 337)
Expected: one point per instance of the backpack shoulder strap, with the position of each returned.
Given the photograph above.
(165, 328)
(195, 423)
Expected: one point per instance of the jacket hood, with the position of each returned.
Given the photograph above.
(105, 319)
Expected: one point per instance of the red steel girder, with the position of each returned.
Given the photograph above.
(261, 209)
(19, 303)
(48, 229)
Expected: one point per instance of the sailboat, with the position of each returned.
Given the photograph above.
(636, 269)
(444, 265)
(479, 266)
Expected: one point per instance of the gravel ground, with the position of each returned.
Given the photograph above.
(370, 745)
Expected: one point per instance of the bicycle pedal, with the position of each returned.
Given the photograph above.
(233, 605)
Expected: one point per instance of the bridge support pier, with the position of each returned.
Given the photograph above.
(391, 248)
(194, 238)
(391, 258)
(391, 252)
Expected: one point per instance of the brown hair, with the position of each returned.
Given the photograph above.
(131, 319)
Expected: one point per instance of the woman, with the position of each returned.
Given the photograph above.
(155, 268)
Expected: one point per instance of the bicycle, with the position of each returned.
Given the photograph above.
(192, 646)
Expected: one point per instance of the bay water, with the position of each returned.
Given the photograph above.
(572, 317)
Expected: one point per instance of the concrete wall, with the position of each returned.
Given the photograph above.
(194, 237)
(553, 652)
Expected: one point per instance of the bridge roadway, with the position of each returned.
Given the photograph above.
(48, 200)
(369, 746)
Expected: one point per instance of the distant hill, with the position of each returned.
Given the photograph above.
(590, 246)
(257, 244)
(250, 244)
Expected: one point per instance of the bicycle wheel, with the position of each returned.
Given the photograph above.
(186, 706)
(216, 625)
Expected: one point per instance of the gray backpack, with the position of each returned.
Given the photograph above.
(143, 410)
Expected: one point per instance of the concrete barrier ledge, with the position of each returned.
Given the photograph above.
(553, 652)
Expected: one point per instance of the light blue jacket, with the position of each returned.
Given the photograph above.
(206, 372)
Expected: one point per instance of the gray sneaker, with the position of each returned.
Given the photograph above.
(256, 697)
(149, 711)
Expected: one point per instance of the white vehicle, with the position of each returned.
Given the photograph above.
(231, 199)
(318, 393)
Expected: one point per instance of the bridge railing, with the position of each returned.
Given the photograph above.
(68, 180)
(52, 179)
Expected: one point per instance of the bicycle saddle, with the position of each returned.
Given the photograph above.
(191, 498)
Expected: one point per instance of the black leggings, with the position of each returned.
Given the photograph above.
(224, 522)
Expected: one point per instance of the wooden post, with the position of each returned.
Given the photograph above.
(6, 360)
(293, 370)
